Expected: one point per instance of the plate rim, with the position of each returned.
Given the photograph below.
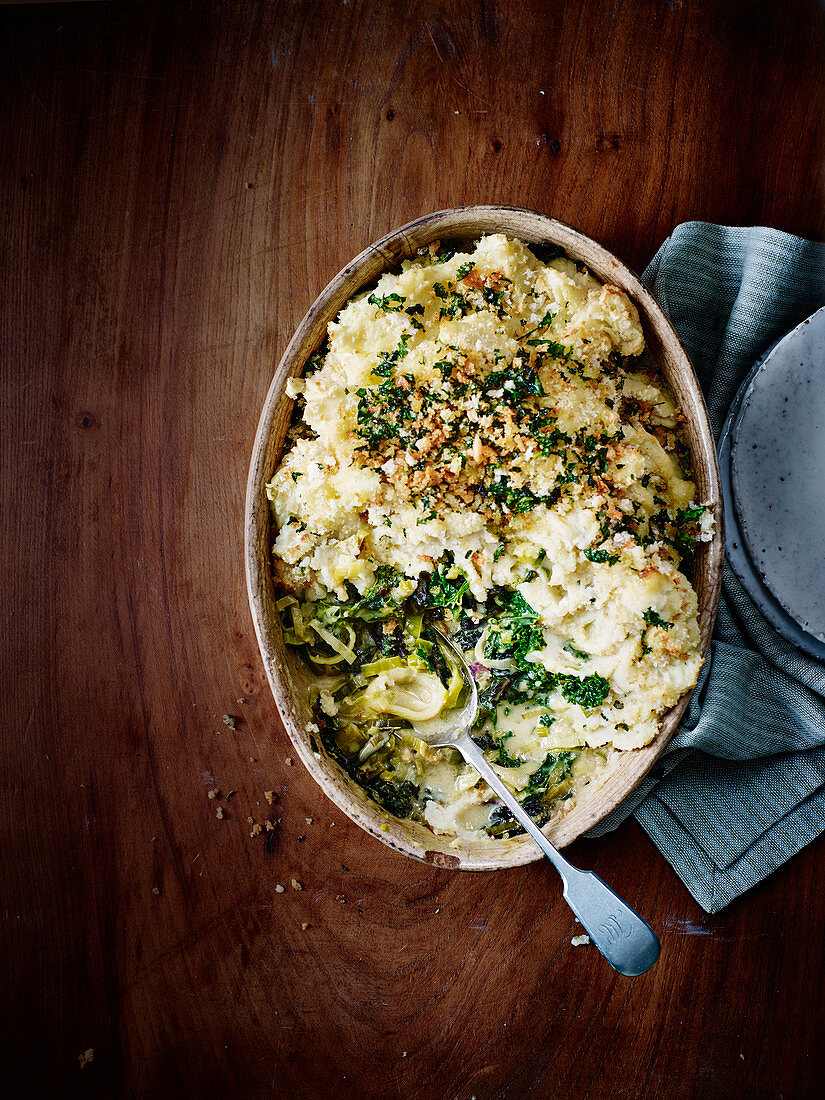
(736, 544)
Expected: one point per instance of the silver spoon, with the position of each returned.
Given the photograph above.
(627, 942)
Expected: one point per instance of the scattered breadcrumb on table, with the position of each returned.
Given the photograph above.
(86, 1057)
(579, 941)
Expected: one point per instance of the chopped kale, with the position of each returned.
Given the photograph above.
(688, 514)
(468, 633)
(588, 691)
(513, 632)
(517, 500)
(390, 303)
(448, 249)
(492, 297)
(653, 618)
(601, 557)
(518, 382)
(447, 587)
(398, 798)
(456, 306)
(316, 360)
(504, 760)
(489, 697)
(556, 767)
(546, 321)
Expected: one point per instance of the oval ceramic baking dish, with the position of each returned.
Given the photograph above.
(288, 676)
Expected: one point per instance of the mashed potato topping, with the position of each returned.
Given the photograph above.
(483, 440)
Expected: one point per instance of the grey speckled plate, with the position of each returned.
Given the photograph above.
(774, 445)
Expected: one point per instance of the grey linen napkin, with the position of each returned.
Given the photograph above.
(741, 787)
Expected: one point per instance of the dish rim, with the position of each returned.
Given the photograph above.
(283, 671)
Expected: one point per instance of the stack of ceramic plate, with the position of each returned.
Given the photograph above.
(772, 462)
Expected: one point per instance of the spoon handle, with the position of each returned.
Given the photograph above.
(627, 942)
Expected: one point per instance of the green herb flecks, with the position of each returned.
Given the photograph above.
(390, 303)
(653, 618)
(601, 557)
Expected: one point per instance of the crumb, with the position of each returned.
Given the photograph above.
(301, 838)
(295, 884)
(309, 821)
(437, 911)
(256, 830)
(214, 793)
(86, 1057)
(332, 824)
(288, 761)
(219, 813)
(580, 941)
(231, 721)
(270, 796)
(155, 890)
(403, 1054)
(270, 828)
(341, 899)
(304, 926)
(279, 889)
(252, 760)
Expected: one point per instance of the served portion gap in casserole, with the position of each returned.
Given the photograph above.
(482, 440)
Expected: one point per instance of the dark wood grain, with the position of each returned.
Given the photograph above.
(178, 183)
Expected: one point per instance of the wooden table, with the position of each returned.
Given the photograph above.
(179, 183)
